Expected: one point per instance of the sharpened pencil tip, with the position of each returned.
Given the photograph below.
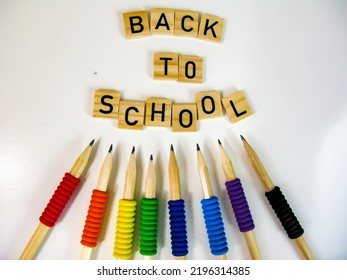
(171, 148)
(110, 149)
(151, 158)
(197, 147)
(92, 143)
(242, 138)
(133, 150)
(219, 142)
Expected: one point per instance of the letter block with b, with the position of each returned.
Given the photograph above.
(136, 24)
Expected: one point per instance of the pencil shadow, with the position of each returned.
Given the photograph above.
(162, 196)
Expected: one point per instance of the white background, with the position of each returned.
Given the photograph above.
(290, 57)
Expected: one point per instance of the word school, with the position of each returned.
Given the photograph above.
(173, 22)
(162, 112)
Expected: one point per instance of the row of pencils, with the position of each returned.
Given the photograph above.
(149, 209)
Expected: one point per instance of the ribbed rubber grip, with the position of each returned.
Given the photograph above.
(123, 245)
(284, 213)
(240, 206)
(94, 218)
(149, 226)
(179, 242)
(60, 198)
(214, 226)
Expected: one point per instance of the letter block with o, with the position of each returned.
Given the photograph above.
(190, 69)
(184, 117)
(209, 104)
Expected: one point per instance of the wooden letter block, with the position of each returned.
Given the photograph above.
(162, 21)
(165, 66)
(191, 69)
(136, 24)
(106, 103)
(209, 105)
(211, 28)
(131, 114)
(236, 106)
(186, 23)
(158, 112)
(184, 118)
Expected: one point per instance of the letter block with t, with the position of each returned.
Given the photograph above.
(158, 112)
(165, 66)
(184, 117)
(162, 21)
(236, 106)
(131, 114)
(106, 103)
(136, 24)
(211, 28)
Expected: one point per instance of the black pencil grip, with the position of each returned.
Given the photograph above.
(284, 213)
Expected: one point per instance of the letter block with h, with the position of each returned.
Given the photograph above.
(158, 112)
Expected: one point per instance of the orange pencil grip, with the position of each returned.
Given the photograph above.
(94, 218)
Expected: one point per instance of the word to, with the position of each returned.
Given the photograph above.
(184, 68)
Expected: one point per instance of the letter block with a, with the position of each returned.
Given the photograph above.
(236, 106)
(162, 21)
(184, 117)
(131, 114)
(136, 24)
(106, 103)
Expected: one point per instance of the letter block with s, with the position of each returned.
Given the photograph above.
(106, 103)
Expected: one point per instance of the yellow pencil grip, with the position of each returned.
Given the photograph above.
(125, 229)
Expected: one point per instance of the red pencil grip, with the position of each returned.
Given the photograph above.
(59, 199)
(94, 218)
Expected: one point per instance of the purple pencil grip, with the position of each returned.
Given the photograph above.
(239, 204)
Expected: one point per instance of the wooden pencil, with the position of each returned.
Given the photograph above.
(175, 182)
(150, 188)
(43, 229)
(130, 178)
(151, 180)
(205, 181)
(270, 187)
(126, 213)
(230, 175)
(101, 191)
